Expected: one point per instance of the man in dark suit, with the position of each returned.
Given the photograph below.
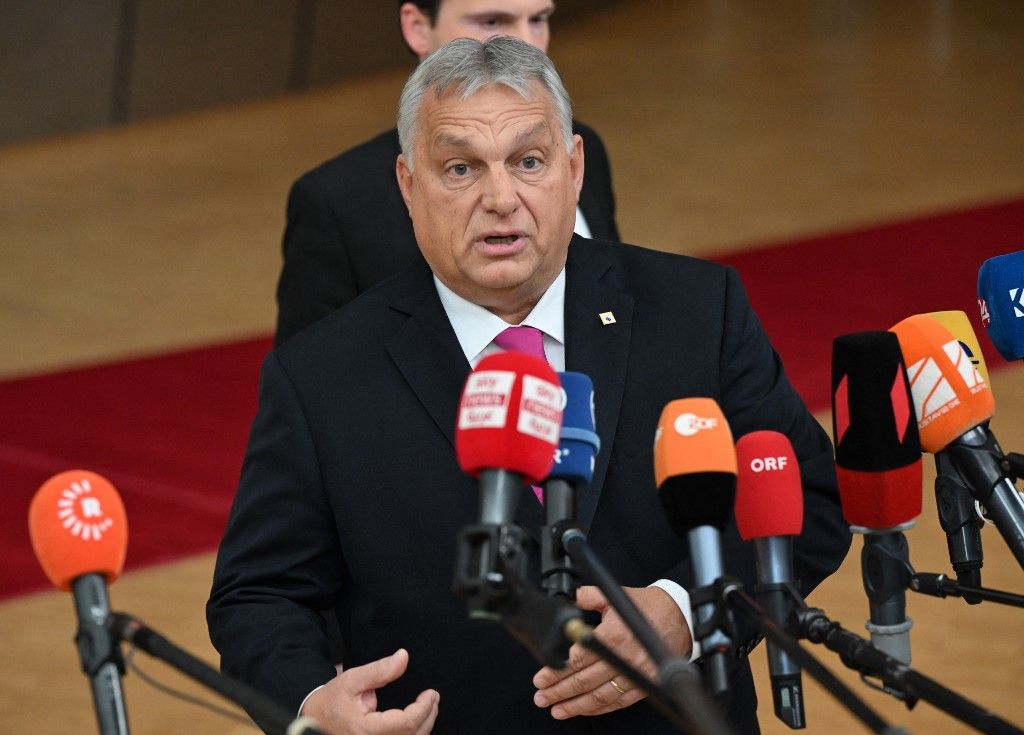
(347, 226)
(351, 496)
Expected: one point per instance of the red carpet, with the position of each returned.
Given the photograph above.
(809, 291)
(169, 431)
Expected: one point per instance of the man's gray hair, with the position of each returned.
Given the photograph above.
(471, 66)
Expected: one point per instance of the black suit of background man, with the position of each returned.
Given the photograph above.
(348, 227)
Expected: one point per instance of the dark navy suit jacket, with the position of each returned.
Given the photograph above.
(351, 495)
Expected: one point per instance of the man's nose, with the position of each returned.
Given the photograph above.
(500, 194)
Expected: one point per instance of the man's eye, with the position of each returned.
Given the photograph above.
(530, 163)
(459, 169)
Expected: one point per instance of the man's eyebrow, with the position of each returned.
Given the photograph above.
(525, 135)
(451, 139)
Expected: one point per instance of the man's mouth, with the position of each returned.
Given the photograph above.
(504, 240)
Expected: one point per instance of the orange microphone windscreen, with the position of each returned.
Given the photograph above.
(960, 327)
(78, 526)
(695, 464)
(950, 396)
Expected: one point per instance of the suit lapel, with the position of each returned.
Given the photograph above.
(598, 350)
(423, 350)
(426, 350)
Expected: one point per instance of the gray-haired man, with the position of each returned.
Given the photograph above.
(351, 495)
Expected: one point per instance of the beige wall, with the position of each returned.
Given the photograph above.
(71, 66)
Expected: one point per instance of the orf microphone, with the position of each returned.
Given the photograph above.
(573, 468)
(1001, 299)
(953, 406)
(878, 458)
(770, 512)
(79, 533)
(508, 429)
(695, 470)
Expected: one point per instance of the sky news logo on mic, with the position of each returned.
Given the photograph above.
(540, 409)
(486, 399)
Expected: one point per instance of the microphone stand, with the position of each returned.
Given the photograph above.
(939, 585)
(727, 594)
(897, 678)
(99, 653)
(675, 674)
(489, 574)
(271, 716)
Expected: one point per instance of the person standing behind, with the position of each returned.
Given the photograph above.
(347, 226)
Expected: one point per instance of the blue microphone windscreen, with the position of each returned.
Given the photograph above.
(578, 443)
(1001, 298)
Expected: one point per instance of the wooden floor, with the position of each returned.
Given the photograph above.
(729, 125)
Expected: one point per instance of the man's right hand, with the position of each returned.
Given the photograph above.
(347, 705)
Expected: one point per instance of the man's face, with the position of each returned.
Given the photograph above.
(478, 19)
(492, 194)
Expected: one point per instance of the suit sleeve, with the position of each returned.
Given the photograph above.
(279, 562)
(317, 276)
(757, 395)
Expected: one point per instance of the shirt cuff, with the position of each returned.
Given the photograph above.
(682, 599)
(306, 698)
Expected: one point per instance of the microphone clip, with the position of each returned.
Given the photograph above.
(720, 619)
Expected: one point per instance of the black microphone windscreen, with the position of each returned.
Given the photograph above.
(873, 421)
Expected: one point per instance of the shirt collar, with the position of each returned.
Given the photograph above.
(476, 327)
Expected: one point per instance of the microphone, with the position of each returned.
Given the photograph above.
(953, 407)
(770, 511)
(79, 533)
(695, 471)
(1001, 300)
(960, 327)
(958, 514)
(878, 466)
(573, 468)
(508, 429)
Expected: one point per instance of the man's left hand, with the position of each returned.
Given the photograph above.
(585, 686)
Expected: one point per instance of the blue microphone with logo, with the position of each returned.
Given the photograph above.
(574, 467)
(1001, 298)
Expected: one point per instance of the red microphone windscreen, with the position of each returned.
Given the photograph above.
(510, 416)
(78, 526)
(769, 496)
(950, 395)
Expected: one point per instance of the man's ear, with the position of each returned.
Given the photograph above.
(416, 29)
(576, 163)
(404, 176)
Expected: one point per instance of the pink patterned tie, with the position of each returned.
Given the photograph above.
(531, 341)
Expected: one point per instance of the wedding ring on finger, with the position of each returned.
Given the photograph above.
(618, 688)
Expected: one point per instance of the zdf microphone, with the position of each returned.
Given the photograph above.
(770, 512)
(878, 467)
(695, 471)
(79, 533)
